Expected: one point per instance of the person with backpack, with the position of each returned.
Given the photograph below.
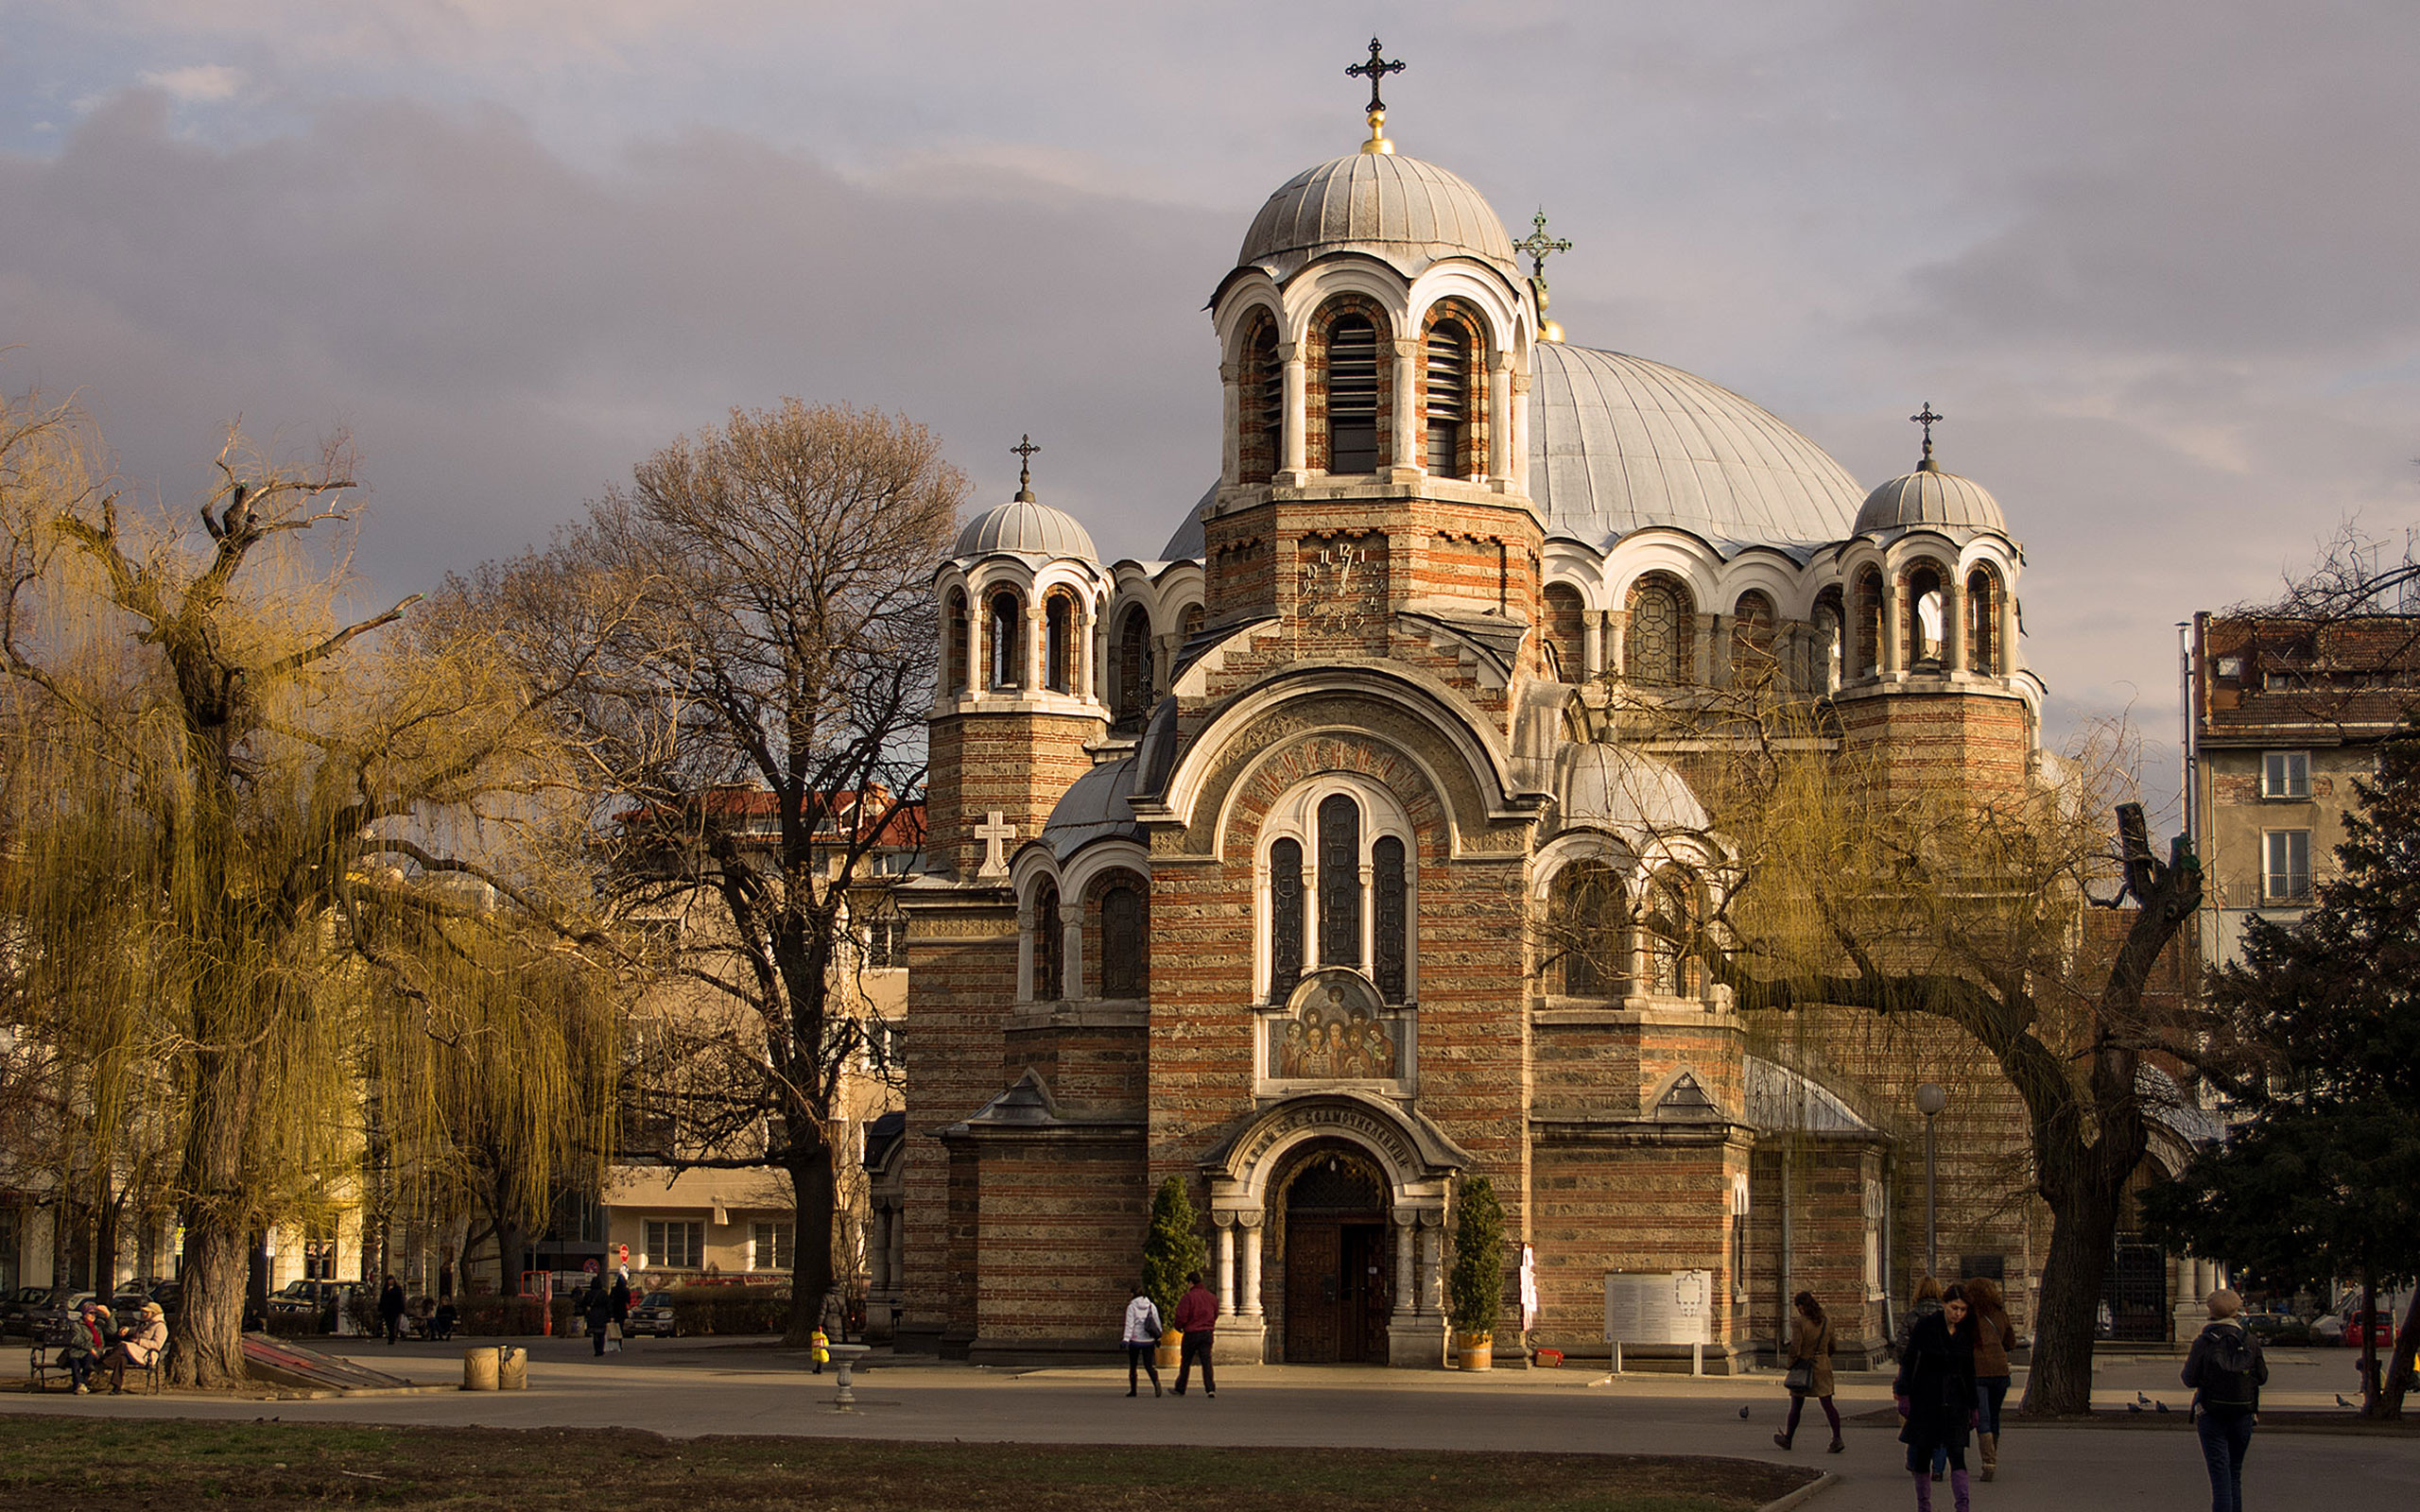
(2227, 1372)
(1142, 1336)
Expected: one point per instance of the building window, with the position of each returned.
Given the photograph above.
(1391, 900)
(1656, 649)
(1925, 617)
(1050, 947)
(884, 1047)
(1058, 644)
(886, 943)
(1352, 395)
(1983, 621)
(675, 1244)
(1124, 915)
(1752, 641)
(1260, 405)
(1739, 1239)
(1448, 398)
(2285, 774)
(1587, 947)
(1135, 666)
(1284, 917)
(1007, 634)
(1339, 882)
(776, 1246)
(1671, 925)
(1868, 657)
(958, 641)
(2286, 875)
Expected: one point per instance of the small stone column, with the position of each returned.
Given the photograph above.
(1071, 949)
(879, 1251)
(1240, 1332)
(1250, 1302)
(1893, 649)
(1416, 1333)
(1226, 1263)
(1592, 623)
(1499, 419)
(1953, 625)
(1407, 1294)
(1411, 421)
(1297, 424)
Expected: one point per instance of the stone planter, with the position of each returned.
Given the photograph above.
(1170, 1349)
(1474, 1352)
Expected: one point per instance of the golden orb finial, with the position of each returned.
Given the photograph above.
(1374, 70)
(1377, 142)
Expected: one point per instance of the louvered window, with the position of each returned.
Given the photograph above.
(1353, 396)
(1450, 406)
(1262, 408)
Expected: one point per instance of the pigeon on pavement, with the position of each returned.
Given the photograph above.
(1743, 1413)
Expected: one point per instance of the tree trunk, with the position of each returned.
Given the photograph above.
(2083, 1230)
(811, 1195)
(2399, 1370)
(208, 1335)
(2371, 1397)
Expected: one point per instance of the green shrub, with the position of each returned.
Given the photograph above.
(1474, 1287)
(1171, 1247)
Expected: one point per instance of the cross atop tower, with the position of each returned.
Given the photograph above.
(1376, 69)
(1926, 418)
(1540, 247)
(1025, 449)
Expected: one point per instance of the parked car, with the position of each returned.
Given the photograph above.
(310, 1295)
(50, 1314)
(2360, 1327)
(2277, 1328)
(653, 1315)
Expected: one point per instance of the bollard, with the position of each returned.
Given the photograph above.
(844, 1399)
(511, 1368)
(480, 1369)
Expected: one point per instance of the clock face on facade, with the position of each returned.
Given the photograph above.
(1344, 581)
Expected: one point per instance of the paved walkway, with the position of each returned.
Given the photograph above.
(690, 1387)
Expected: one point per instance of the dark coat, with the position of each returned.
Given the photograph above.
(618, 1300)
(391, 1302)
(1937, 1379)
(2220, 1389)
(596, 1306)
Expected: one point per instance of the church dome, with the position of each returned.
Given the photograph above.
(1405, 213)
(1027, 528)
(1628, 791)
(1929, 499)
(1094, 808)
(1618, 443)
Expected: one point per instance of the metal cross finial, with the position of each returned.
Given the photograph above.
(1025, 449)
(1540, 246)
(1376, 69)
(1926, 418)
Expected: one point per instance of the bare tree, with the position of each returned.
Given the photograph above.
(752, 612)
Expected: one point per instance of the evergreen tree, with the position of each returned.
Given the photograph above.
(1474, 1287)
(1171, 1249)
(2323, 1182)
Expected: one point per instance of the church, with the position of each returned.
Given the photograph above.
(1236, 856)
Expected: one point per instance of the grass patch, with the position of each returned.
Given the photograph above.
(172, 1464)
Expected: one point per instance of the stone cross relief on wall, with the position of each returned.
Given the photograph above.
(994, 832)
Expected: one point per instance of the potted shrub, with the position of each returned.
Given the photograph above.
(1474, 1287)
(1171, 1250)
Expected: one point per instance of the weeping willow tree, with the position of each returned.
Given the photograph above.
(239, 842)
(1883, 926)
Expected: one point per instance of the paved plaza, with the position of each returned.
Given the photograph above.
(689, 1387)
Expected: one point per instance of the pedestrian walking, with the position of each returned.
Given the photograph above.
(2226, 1371)
(618, 1308)
(1923, 1304)
(1142, 1336)
(1810, 1369)
(1936, 1395)
(390, 1310)
(596, 1313)
(1197, 1314)
(1995, 1335)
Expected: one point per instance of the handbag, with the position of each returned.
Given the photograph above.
(1801, 1377)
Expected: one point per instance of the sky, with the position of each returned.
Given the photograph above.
(2153, 260)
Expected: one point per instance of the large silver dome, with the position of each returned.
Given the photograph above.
(1405, 213)
(1618, 443)
(1027, 528)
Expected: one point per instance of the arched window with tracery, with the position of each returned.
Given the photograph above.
(1448, 403)
(1058, 644)
(1588, 945)
(1927, 605)
(1868, 657)
(1339, 882)
(1566, 633)
(1671, 933)
(1656, 649)
(1391, 900)
(1983, 621)
(959, 639)
(1351, 395)
(1261, 404)
(1284, 916)
(1125, 924)
(1050, 947)
(1133, 666)
(1004, 636)
(1753, 626)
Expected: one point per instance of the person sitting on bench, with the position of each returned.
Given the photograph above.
(140, 1349)
(89, 1337)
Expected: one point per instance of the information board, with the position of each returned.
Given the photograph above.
(1659, 1306)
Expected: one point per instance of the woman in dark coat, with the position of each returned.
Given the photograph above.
(596, 1310)
(1936, 1392)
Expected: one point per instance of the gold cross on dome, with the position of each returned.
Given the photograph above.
(1926, 418)
(1376, 69)
(1025, 449)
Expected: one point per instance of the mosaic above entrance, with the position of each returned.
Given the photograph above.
(1334, 1028)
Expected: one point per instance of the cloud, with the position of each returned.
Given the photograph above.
(198, 84)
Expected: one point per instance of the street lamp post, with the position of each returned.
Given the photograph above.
(1930, 1099)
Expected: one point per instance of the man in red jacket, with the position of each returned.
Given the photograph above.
(1197, 1313)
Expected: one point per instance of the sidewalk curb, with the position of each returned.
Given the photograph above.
(1803, 1494)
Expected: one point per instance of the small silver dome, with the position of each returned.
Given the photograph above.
(1932, 500)
(1094, 808)
(1626, 791)
(1028, 530)
(1405, 213)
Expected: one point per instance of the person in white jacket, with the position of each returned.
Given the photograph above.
(1143, 1329)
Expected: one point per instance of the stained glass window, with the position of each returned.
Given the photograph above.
(1387, 870)
(1122, 957)
(1656, 647)
(1049, 948)
(1284, 916)
(1339, 882)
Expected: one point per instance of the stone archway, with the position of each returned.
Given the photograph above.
(1332, 1228)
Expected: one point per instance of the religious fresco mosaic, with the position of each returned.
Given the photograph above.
(1333, 1033)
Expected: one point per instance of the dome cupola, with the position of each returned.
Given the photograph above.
(1401, 211)
(1931, 499)
(1026, 527)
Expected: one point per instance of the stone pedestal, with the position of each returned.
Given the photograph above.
(1416, 1341)
(1239, 1339)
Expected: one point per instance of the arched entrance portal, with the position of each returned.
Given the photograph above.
(1338, 1258)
